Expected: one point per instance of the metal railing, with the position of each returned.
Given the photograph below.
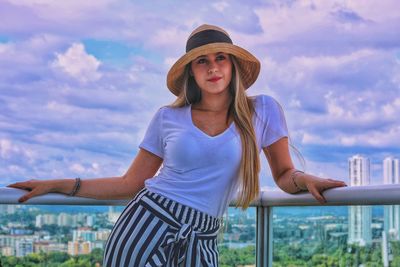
(344, 196)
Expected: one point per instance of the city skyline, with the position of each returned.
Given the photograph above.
(80, 81)
(391, 213)
(360, 217)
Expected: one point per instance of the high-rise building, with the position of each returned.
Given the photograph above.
(391, 213)
(113, 214)
(39, 221)
(102, 234)
(360, 217)
(79, 247)
(391, 171)
(24, 247)
(7, 251)
(64, 219)
(83, 234)
(90, 220)
(8, 209)
(49, 219)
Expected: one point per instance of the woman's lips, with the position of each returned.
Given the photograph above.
(215, 79)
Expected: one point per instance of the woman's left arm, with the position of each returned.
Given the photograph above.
(291, 180)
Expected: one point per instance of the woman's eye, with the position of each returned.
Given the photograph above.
(201, 61)
(221, 57)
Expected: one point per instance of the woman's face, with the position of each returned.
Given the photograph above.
(212, 72)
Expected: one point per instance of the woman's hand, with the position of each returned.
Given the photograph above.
(35, 188)
(316, 185)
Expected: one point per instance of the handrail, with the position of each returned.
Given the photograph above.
(351, 195)
(343, 196)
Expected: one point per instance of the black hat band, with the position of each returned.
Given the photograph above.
(207, 37)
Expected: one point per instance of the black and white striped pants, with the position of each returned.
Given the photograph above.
(156, 231)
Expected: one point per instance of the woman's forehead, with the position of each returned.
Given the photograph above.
(212, 54)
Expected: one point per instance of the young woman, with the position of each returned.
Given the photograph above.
(208, 143)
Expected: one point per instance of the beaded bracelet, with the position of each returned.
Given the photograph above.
(294, 182)
(76, 187)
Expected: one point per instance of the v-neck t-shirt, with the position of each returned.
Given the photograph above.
(199, 170)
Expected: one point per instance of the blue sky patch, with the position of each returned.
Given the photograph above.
(4, 39)
(116, 53)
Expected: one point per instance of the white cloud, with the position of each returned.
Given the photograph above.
(60, 108)
(309, 138)
(220, 6)
(169, 61)
(85, 169)
(301, 69)
(19, 54)
(6, 148)
(317, 62)
(170, 36)
(10, 151)
(61, 10)
(312, 51)
(383, 11)
(136, 72)
(76, 167)
(78, 64)
(392, 109)
(378, 138)
(282, 21)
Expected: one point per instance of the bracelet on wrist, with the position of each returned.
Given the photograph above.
(293, 176)
(76, 187)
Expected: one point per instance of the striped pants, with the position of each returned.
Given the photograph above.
(156, 231)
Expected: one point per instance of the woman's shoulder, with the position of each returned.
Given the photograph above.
(172, 109)
(262, 100)
(168, 111)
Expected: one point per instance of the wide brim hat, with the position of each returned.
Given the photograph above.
(212, 39)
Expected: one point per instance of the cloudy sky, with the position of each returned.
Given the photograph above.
(80, 80)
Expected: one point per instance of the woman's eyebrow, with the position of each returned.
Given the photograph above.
(199, 57)
(204, 56)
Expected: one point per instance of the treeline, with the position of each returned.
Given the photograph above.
(53, 259)
(305, 255)
(228, 258)
(284, 255)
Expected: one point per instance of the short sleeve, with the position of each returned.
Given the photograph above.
(273, 118)
(153, 139)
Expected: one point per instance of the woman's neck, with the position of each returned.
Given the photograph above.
(213, 103)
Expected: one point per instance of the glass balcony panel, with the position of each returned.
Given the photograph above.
(53, 234)
(336, 236)
(237, 238)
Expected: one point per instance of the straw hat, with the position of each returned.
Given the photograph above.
(212, 39)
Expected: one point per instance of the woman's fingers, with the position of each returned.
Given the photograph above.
(35, 187)
(335, 183)
(27, 196)
(317, 195)
(15, 185)
(21, 185)
(316, 186)
(317, 189)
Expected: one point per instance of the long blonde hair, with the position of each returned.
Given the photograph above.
(242, 110)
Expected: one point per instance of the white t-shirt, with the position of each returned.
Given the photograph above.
(199, 170)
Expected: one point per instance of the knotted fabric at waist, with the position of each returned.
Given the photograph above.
(187, 229)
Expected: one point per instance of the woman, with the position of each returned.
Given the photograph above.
(208, 142)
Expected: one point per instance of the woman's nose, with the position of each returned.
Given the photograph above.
(212, 67)
(212, 70)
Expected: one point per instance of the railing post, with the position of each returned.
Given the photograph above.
(260, 251)
(268, 235)
(264, 237)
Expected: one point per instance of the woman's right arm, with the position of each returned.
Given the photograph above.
(144, 166)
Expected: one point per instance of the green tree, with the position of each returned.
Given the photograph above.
(58, 257)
